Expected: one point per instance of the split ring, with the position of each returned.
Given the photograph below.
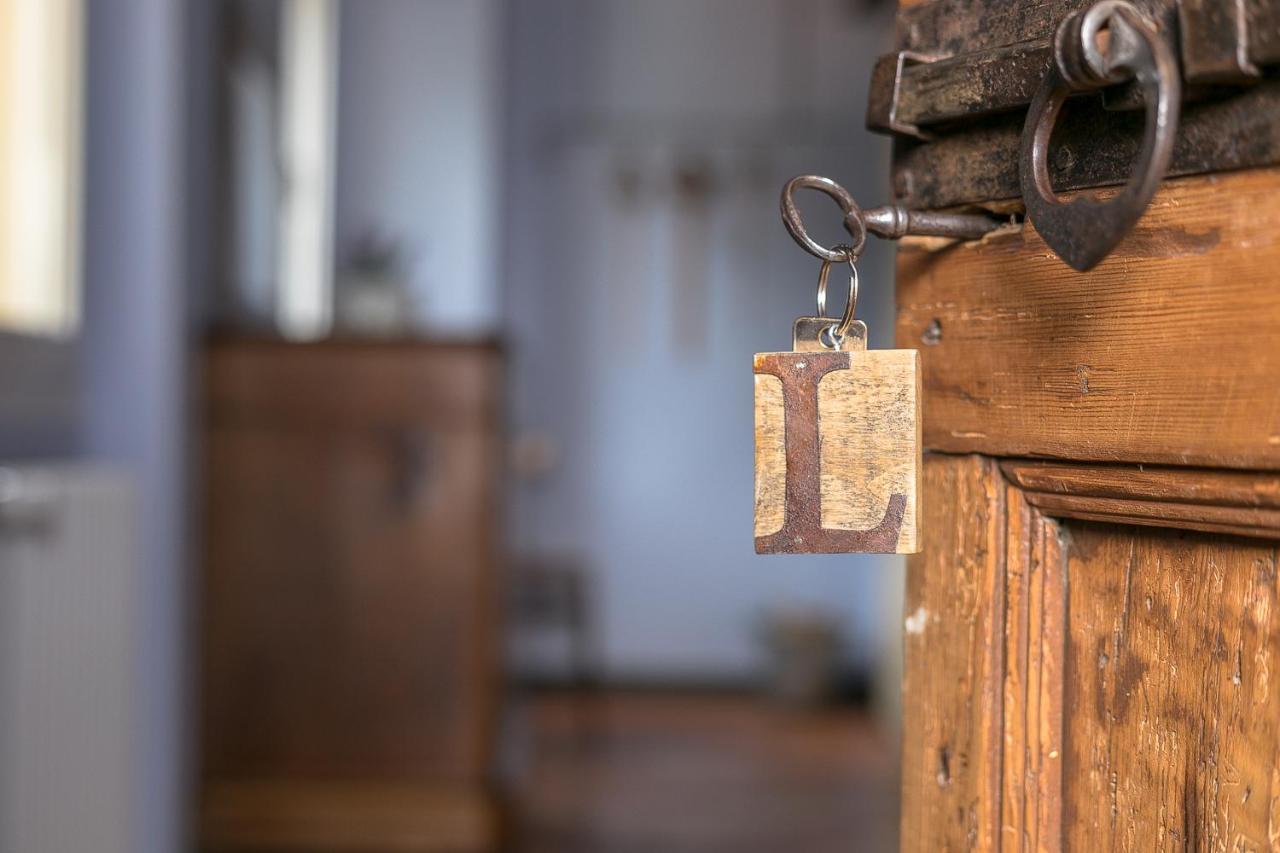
(841, 327)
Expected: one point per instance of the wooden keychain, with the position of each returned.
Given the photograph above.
(838, 445)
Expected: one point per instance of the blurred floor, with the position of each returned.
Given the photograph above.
(672, 773)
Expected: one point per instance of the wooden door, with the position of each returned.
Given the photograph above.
(1092, 631)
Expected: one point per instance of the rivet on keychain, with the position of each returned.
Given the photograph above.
(838, 447)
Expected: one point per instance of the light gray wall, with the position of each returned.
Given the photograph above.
(654, 422)
(134, 364)
(417, 149)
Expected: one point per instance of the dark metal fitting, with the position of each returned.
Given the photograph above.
(1084, 230)
(892, 221)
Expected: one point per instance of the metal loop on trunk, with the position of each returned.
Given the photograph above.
(1085, 230)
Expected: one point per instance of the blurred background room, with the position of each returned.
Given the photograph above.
(376, 429)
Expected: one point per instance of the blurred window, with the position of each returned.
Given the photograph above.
(309, 66)
(41, 154)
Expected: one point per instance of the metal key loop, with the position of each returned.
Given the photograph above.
(890, 221)
(853, 222)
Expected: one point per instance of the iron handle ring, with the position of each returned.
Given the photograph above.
(1084, 230)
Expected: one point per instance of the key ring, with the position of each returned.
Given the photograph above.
(838, 329)
(853, 220)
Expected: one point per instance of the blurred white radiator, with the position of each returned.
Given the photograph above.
(67, 559)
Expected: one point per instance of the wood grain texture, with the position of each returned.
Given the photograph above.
(1074, 685)
(1167, 352)
(1231, 502)
(953, 681)
(1194, 486)
(770, 456)
(863, 438)
(1174, 726)
(1035, 648)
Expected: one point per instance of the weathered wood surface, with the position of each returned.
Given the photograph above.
(1072, 685)
(1167, 352)
(1130, 625)
(954, 661)
(852, 451)
(1034, 650)
(1172, 736)
(1233, 502)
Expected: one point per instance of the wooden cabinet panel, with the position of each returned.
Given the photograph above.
(954, 659)
(348, 618)
(341, 634)
(353, 383)
(1172, 736)
(1074, 684)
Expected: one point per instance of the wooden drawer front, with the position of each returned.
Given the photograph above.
(1169, 351)
(352, 385)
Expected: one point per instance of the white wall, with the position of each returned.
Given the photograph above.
(653, 414)
(417, 148)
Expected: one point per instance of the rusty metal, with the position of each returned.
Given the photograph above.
(910, 95)
(1084, 230)
(891, 221)
(802, 521)
(885, 100)
(992, 54)
(895, 221)
(1215, 42)
(1091, 148)
(852, 218)
(958, 60)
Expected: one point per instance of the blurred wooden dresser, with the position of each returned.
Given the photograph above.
(348, 615)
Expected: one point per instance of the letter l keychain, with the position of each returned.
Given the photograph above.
(837, 426)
